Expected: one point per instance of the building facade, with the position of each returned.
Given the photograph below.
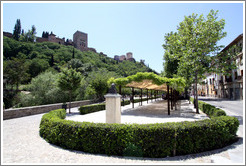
(231, 87)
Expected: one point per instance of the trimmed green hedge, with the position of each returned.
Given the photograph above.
(142, 140)
(208, 109)
(91, 108)
(98, 107)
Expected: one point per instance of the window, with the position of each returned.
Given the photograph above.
(241, 73)
(235, 75)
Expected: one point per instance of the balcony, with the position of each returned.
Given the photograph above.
(239, 77)
(228, 79)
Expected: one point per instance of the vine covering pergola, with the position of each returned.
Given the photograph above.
(150, 81)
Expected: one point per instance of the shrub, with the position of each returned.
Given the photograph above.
(206, 134)
(210, 110)
(147, 140)
(91, 108)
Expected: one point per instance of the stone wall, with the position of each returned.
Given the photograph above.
(26, 111)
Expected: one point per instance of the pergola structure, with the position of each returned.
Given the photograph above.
(151, 81)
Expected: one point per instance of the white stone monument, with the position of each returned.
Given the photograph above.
(113, 106)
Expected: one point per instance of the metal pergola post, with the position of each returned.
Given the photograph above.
(141, 96)
(155, 95)
(132, 97)
(171, 98)
(147, 96)
(168, 104)
(151, 95)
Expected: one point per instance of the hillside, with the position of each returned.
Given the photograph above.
(55, 55)
(31, 70)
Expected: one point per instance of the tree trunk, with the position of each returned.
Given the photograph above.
(17, 88)
(197, 110)
(70, 96)
(194, 95)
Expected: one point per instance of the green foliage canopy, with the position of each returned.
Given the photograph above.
(176, 83)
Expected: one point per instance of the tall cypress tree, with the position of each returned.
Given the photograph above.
(43, 34)
(73, 53)
(17, 30)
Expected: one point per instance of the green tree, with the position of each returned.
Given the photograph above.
(15, 71)
(98, 81)
(195, 42)
(29, 36)
(37, 66)
(17, 30)
(44, 90)
(75, 64)
(69, 80)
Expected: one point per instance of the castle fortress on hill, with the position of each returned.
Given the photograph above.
(80, 41)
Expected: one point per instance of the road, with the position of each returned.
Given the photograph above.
(232, 107)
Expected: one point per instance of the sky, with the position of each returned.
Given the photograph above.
(118, 28)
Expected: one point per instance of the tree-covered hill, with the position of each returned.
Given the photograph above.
(29, 66)
(41, 56)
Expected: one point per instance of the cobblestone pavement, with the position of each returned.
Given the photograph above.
(22, 144)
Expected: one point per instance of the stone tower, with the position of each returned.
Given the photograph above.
(129, 55)
(80, 40)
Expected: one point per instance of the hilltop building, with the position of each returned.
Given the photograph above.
(80, 41)
(128, 57)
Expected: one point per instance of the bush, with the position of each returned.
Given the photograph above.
(210, 110)
(147, 140)
(205, 135)
(91, 108)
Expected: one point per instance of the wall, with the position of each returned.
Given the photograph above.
(26, 111)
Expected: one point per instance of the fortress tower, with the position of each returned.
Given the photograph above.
(80, 40)
(129, 55)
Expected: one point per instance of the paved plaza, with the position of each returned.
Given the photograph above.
(152, 112)
(22, 143)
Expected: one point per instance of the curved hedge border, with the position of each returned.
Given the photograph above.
(144, 140)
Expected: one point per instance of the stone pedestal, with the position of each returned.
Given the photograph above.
(113, 108)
